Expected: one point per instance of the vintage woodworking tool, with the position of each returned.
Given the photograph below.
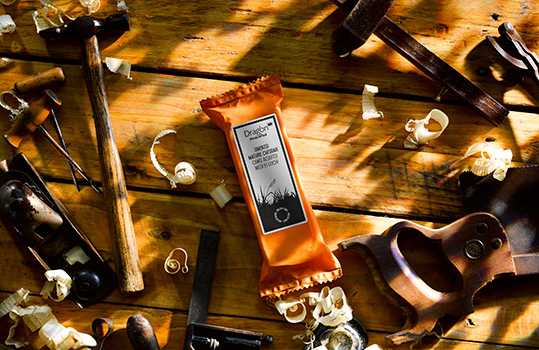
(141, 334)
(41, 81)
(476, 249)
(513, 202)
(64, 147)
(126, 258)
(511, 46)
(29, 210)
(368, 16)
(102, 327)
(32, 119)
(200, 336)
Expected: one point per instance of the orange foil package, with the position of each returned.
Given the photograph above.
(294, 252)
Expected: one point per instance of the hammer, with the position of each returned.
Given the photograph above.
(122, 232)
(368, 16)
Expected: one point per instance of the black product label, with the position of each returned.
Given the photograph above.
(269, 174)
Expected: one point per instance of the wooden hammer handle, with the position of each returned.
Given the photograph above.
(114, 188)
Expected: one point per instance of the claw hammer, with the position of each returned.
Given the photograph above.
(118, 211)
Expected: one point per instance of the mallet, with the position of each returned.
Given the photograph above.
(118, 210)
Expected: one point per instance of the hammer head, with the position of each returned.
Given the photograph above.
(84, 27)
(362, 20)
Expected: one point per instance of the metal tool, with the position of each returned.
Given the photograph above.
(40, 82)
(29, 210)
(349, 335)
(141, 334)
(368, 16)
(200, 336)
(64, 147)
(513, 201)
(122, 232)
(99, 332)
(475, 250)
(32, 119)
(511, 46)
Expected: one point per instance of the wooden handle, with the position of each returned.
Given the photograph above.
(141, 334)
(114, 188)
(475, 246)
(34, 116)
(41, 81)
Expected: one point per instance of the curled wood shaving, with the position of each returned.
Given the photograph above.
(116, 65)
(13, 300)
(7, 25)
(59, 279)
(367, 102)
(220, 195)
(419, 134)
(4, 61)
(15, 112)
(330, 309)
(173, 266)
(184, 173)
(494, 160)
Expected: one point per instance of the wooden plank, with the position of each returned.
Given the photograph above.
(361, 164)
(169, 328)
(163, 222)
(238, 39)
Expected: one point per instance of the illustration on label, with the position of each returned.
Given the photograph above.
(269, 173)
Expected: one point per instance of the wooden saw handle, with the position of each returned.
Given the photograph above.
(114, 188)
(476, 246)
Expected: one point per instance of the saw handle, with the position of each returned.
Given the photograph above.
(114, 187)
(477, 248)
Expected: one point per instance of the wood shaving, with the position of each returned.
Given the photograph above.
(184, 173)
(493, 159)
(419, 134)
(367, 102)
(7, 26)
(173, 266)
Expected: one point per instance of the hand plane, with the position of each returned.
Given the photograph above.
(476, 248)
(30, 211)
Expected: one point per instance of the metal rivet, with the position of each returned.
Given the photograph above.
(481, 227)
(474, 249)
(496, 243)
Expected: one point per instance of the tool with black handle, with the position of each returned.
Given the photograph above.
(119, 213)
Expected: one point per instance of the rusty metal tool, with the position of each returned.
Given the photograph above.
(368, 16)
(122, 231)
(32, 119)
(64, 147)
(511, 47)
(200, 335)
(475, 250)
(102, 327)
(30, 211)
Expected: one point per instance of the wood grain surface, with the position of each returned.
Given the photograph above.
(356, 173)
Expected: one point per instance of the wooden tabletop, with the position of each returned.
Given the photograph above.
(356, 173)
